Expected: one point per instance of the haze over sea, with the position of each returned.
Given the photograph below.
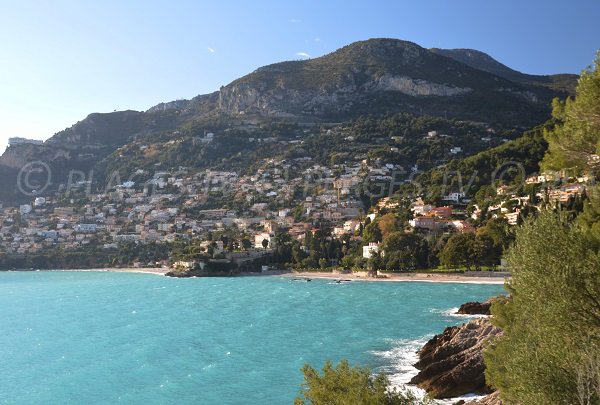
(103, 338)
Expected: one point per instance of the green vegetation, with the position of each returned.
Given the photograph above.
(550, 350)
(549, 353)
(575, 140)
(475, 174)
(373, 137)
(405, 251)
(345, 385)
(90, 256)
(483, 248)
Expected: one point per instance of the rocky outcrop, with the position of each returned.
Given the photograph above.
(417, 87)
(171, 105)
(197, 273)
(481, 308)
(476, 308)
(451, 363)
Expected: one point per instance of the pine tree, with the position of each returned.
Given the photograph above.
(575, 139)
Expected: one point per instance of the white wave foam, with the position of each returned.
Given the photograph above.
(452, 401)
(400, 370)
(400, 360)
(451, 312)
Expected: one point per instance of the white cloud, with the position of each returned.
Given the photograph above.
(295, 21)
(302, 54)
(317, 39)
(211, 50)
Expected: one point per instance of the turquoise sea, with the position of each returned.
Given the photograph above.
(105, 338)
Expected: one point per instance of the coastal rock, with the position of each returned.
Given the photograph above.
(197, 273)
(476, 308)
(451, 363)
(178, 273)
(481, 308)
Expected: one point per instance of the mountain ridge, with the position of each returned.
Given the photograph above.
(371, 77)
(482, 61)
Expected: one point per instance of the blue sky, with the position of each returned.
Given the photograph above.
(62, 60)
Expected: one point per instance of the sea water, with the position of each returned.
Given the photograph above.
(105, 338)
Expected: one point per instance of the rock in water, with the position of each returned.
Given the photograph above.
(476, 308)
(451, 363)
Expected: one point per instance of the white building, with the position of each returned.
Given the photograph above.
(370, 250)
(258, 240)
(216, 246)
(164, 227)
(24, 209)
(454, 197)
(126, 238)
(85, 228)
(39, 201)
(513, 217)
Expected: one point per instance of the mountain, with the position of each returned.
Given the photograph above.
(377, 75)
(366, 78)
(78, 148)
(482, 61)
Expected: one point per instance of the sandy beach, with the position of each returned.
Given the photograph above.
(146, 270)
(399, 277)
(356, 276)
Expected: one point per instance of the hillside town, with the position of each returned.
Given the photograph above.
(184, 205)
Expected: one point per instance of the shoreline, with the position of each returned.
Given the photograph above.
(161, 271)
(395, 277)
(402, 277)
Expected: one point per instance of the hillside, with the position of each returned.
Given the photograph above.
(367, 78)
(505, 163)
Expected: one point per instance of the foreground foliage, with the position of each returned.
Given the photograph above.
(575, 141)
(550, 351)
(344, 385)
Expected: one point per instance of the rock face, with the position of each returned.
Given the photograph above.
(451, 363)
(416, 87)
(476, 308)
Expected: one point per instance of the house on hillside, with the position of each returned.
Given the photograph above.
(371, 250)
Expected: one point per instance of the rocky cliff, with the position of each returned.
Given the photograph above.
(451, 363)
